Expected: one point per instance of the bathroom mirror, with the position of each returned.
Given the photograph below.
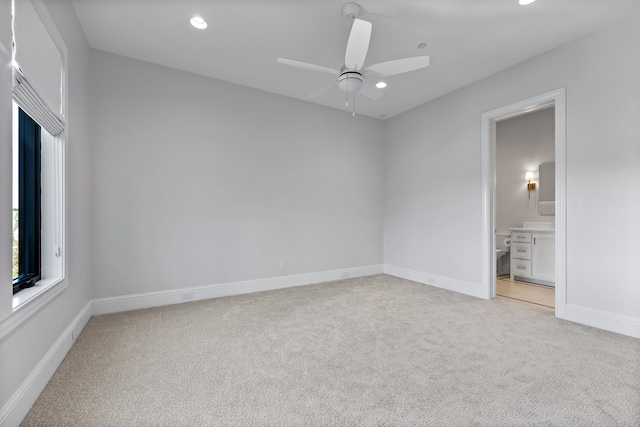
(547, 190)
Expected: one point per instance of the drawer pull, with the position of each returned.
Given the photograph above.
(522, 268)
(520, 250)
(520, 237)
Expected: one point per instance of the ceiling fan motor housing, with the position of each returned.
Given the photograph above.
(350, 81)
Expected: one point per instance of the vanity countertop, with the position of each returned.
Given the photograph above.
(533, 230)
(536, 227)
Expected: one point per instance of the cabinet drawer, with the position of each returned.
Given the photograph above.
(518, 237)
(521, 268)
(521, 250)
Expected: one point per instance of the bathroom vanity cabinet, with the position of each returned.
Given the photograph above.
(533, 255)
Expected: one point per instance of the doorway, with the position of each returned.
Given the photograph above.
(490, 119)
(525, 183)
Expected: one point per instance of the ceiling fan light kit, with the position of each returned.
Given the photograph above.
(353, 77)
(350, 81)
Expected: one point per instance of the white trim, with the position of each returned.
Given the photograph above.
(18, 405)
(618, 323)
(488, 121)
(174, 296)
(21, 401)
(488, 205)
(467, 288)
(561, 208)
(26, 295)
(27, 309)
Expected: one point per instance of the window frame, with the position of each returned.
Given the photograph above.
(29, 302)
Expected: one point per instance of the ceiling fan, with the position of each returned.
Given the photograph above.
(352, 76)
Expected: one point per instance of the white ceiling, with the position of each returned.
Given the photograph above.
(466, 39)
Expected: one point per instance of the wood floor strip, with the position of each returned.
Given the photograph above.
(527, 292)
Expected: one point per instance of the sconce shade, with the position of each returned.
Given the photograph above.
(528, 176)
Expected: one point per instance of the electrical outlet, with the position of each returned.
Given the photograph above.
(345, 274)
(187, 295)
(283, 265)
(431, 281)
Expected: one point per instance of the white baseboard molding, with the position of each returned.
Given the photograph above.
(618, 323)
(23, 399)
(613, 322)
(175, 296)
(467, 288)
(17, 407)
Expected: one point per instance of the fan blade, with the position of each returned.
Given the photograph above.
(399, 66)
(324, 89)
(358, 44)
(307, 66)
(369, 90)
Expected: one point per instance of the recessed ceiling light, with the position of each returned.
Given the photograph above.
(381, 85)
(525, 2)
(198, 22)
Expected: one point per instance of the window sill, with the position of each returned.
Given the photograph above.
(26, 295)
(30, 301)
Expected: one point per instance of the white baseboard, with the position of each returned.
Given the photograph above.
(618, 323)
(175, 296)
(468, 288)
(23, 399)
(613, 322)
(17, 407)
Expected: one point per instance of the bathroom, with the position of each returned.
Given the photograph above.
(525, 207)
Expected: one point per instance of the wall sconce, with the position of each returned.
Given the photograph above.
(531, 186)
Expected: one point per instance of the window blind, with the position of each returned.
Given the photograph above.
(34, 105)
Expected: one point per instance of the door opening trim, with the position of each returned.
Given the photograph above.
(488, 128)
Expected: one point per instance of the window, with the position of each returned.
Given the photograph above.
(38, 206)
(26, 203)
(36, 76)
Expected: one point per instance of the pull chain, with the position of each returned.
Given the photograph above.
(353, 105)
(346, 102)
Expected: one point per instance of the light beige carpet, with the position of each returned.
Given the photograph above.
(377, 351)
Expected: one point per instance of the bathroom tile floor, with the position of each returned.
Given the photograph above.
(539, 295)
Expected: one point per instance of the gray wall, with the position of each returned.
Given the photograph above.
(522, 144)
(186, 181)
(200, 182)
(433, 192)
(23, 349)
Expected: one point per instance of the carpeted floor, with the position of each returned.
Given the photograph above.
(376, 351)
